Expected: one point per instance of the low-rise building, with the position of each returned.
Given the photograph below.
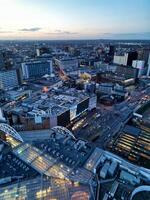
(67, 64)
(45, 110)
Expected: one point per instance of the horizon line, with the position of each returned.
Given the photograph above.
(18, 39)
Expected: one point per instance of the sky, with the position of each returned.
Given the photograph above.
(74, 19)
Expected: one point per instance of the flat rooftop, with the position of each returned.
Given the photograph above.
(144, 110)
(133, 145)
(48, 103)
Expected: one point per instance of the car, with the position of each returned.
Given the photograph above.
(85, 125)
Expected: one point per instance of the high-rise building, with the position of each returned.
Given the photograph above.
(121, 59)
(2, 118)
(8, 79)
(139, 64)
(2, 64)
(111, 50)
(36, 69)
(125, 59)
(38, 52)
(144, 55)
(132, 56)
(148, 70)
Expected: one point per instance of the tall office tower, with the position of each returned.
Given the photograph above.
(132, 56)
(19, 75)
(38, 52)
(121, 59)
(111, 50)
(2, 118)
(148, 69)
(8, 79)
(36, 69)
(144, 55)
(2, 63)
(139, 64)
(125, 59)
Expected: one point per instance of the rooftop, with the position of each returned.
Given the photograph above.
(132, 144)
(47, 103)
(61, 167)
(144, 110)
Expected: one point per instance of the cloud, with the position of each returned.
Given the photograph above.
(3, 31)
(34, 29)
(62, 32)
(68, 32)
(58, 31)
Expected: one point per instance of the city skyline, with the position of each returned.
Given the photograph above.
(71, 19)
(75, 99)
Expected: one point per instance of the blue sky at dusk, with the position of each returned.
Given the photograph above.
(74, 19)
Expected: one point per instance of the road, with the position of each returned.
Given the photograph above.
(112, 120)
